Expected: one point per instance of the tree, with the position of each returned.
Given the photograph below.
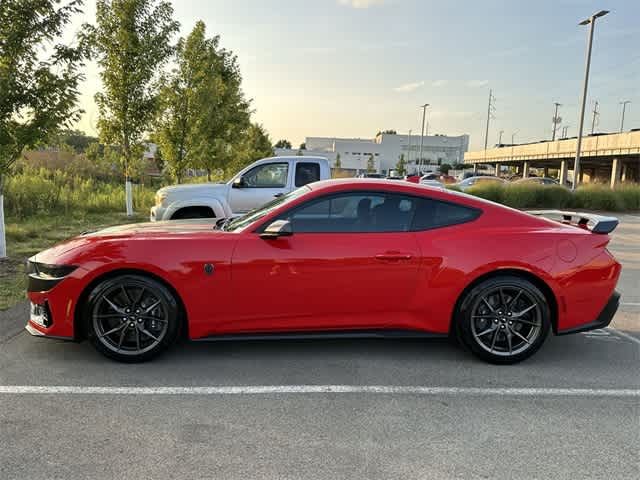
(178, 100)
(303, 146)
(223, 116)
(255, 145)
(401, 166)
(131, 41)
(338, 163)
(371, 164)
(444, 168)
(387, 132)
(283, 144)
(38, 79)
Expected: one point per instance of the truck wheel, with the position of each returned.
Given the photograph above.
(193, 212)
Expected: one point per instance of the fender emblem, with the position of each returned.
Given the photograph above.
(208, 269)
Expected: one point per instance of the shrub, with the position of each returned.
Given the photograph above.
(40, 191)
(598, 197)
(589, 197)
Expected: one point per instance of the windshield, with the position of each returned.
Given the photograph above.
(257, 213)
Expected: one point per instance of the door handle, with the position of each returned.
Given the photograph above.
(393, 256)
(278, 195)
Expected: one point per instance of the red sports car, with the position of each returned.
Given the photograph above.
(341, 257)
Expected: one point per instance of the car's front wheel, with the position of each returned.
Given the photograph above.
(131, 318)
(504, 319)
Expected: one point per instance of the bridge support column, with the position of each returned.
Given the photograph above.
(475, 168)
(497, 169)
(525, 170)
(564, 169)
(545, 171)
(616, 167)
(625, 170)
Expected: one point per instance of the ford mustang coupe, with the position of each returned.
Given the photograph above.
(341, 257)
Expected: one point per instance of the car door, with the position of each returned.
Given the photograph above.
(351, 263)
(259, 185)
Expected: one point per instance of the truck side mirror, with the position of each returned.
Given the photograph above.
(239, 182)
(279, 228)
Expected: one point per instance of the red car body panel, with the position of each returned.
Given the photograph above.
(338, 281)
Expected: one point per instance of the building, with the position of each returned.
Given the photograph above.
(386, 150)
(610, 158)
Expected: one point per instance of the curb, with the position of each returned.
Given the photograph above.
(13, 320)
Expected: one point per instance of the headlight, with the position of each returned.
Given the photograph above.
(42, 277)
(160, 198)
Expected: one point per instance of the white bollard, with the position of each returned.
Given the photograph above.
(129, 197)
(3, 242)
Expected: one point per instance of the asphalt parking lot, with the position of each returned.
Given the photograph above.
(328, 409)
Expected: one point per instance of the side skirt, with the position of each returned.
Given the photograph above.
(312, 335)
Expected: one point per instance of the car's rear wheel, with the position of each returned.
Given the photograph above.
(131, 318)
(504, 319)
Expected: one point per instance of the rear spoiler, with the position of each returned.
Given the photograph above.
(588, 221)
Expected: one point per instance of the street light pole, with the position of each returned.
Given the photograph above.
(500, 137)
(589, 21)
(624, 107)
(409, 150)
(424, 113)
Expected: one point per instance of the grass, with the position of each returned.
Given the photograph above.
(28, 236)
(588, 197)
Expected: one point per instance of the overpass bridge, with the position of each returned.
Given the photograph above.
(604, 157)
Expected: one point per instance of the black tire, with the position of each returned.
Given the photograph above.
(490, 322)
(193, 212)
(131, 318)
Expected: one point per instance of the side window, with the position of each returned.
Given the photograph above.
(433, 213)
(307, 172)
(269, 175)
(354, 212)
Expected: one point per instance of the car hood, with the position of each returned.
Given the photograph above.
(193, 189)
(136, 231)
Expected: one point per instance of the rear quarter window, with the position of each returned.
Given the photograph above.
(435, 213)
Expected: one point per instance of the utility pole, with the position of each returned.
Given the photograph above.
(595, 116)
(409, 150)
(490, 110)
(624, 107)
(424, 113)
(556, 120)
(589, 21)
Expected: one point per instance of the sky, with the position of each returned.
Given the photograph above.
(349, 68)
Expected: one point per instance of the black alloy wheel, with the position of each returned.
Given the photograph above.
(131, 318)
(504, 319)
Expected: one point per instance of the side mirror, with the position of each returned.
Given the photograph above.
(239, 182)
(279, 228)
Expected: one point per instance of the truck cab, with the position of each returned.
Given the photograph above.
(251, 187)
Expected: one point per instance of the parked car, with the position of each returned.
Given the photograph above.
(431, 180)
(339, 257)
(253, 186)
(536, 181)
(370, 175)
(479, 180)
(413, 178)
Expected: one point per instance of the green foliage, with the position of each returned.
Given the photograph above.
(131, 42)
(38, 92)
(371, 164)
(587, 197)
(38, 192)
(401, 166)
(338, 163)
(75, 140)
(303, 146)
(444, 168)
(283, 143)
(387, 132)
(255, 145)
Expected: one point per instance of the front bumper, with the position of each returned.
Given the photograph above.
(603, 320)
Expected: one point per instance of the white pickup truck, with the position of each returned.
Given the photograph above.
(253, 186)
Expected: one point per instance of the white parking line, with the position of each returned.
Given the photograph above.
(625, 335)
(310, 389)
